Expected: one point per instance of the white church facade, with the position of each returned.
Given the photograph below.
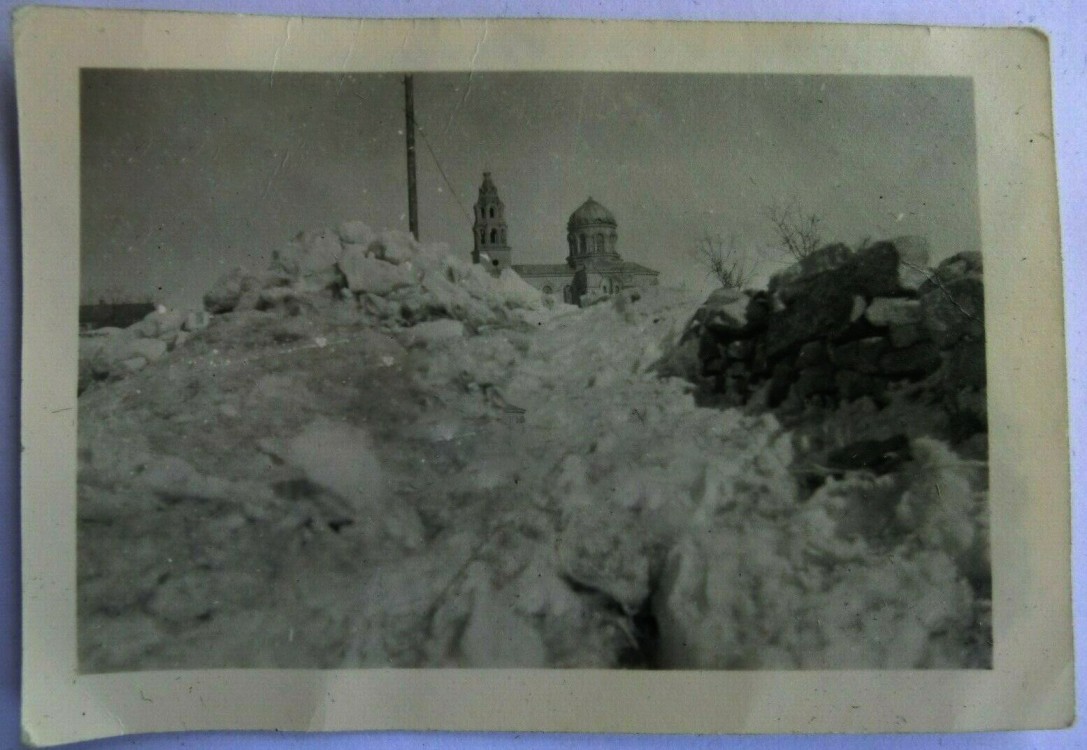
(593, 267)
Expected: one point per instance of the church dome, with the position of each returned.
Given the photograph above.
(590, 213)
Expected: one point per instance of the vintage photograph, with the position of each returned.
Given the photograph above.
(606, 370)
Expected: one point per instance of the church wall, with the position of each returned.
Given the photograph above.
(557, 283)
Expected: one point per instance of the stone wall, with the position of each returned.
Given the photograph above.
(843, 325)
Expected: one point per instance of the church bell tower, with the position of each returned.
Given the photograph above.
(490, 245)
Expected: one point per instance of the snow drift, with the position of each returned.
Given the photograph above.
(378, 454)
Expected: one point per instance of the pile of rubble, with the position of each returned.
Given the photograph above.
(844, 325)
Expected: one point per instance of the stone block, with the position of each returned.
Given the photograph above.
(726, 313)
(862, 355)
(904, 335)
(854, 385)
(954, 310)
(815, 381)
(740, 349)
(913, 257)
(958, 266)
(886, 311)
(812, 354)
(965, 365)
(912, 362)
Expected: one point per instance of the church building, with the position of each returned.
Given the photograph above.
(593, 267)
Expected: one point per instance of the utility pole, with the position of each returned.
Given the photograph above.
(413, 198)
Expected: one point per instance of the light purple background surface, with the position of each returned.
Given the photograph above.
(1064, 22)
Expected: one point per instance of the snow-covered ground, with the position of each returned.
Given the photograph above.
(497, 481)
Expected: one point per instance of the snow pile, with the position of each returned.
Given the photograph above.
(112, 353)
(384, 456)
(863, 574)
(390, 274)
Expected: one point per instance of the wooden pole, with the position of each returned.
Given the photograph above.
(413, 198)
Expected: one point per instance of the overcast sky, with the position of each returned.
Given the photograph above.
(188, 174)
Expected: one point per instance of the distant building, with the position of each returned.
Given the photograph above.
(593, 267)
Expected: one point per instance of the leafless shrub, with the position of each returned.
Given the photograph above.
(797, 231)
(730, 265)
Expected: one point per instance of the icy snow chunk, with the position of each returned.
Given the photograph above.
(196, 321)
(601, 551)
(355, 233)
(394, 247)
(174, 476)
(160, 322)
(940, 504)
(516, 291)
(312, 252)
(366, 274)
(341, 458)
(134, 364)
(120, 348)
(432, 332)
(496, 636)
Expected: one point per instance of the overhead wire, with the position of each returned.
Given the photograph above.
(441, 170)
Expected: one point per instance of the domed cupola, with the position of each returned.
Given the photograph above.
(591, 233)
(590, 213)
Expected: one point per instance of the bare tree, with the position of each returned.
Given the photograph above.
(798, 232)
(726, 262)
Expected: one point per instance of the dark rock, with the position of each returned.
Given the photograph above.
(887, 311)
(964, 365)
(862, 355)
(759, 364)
(854, 385)
(741, 349)
(759, 308)
(806, 319)
(954, 310)
(961, 265)
(815, 381)
(711, 353)
(912, 362)
(877, 456)
(861, 328)
(726, 313)
(812, 354)
(823, 303)
(780, 381)
(824, 259)
(967, 413)
(913, 257)
(859, 306)
(904, 335)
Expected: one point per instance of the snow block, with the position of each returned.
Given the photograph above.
(355, 233)
(394, 247)
(366, 274)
